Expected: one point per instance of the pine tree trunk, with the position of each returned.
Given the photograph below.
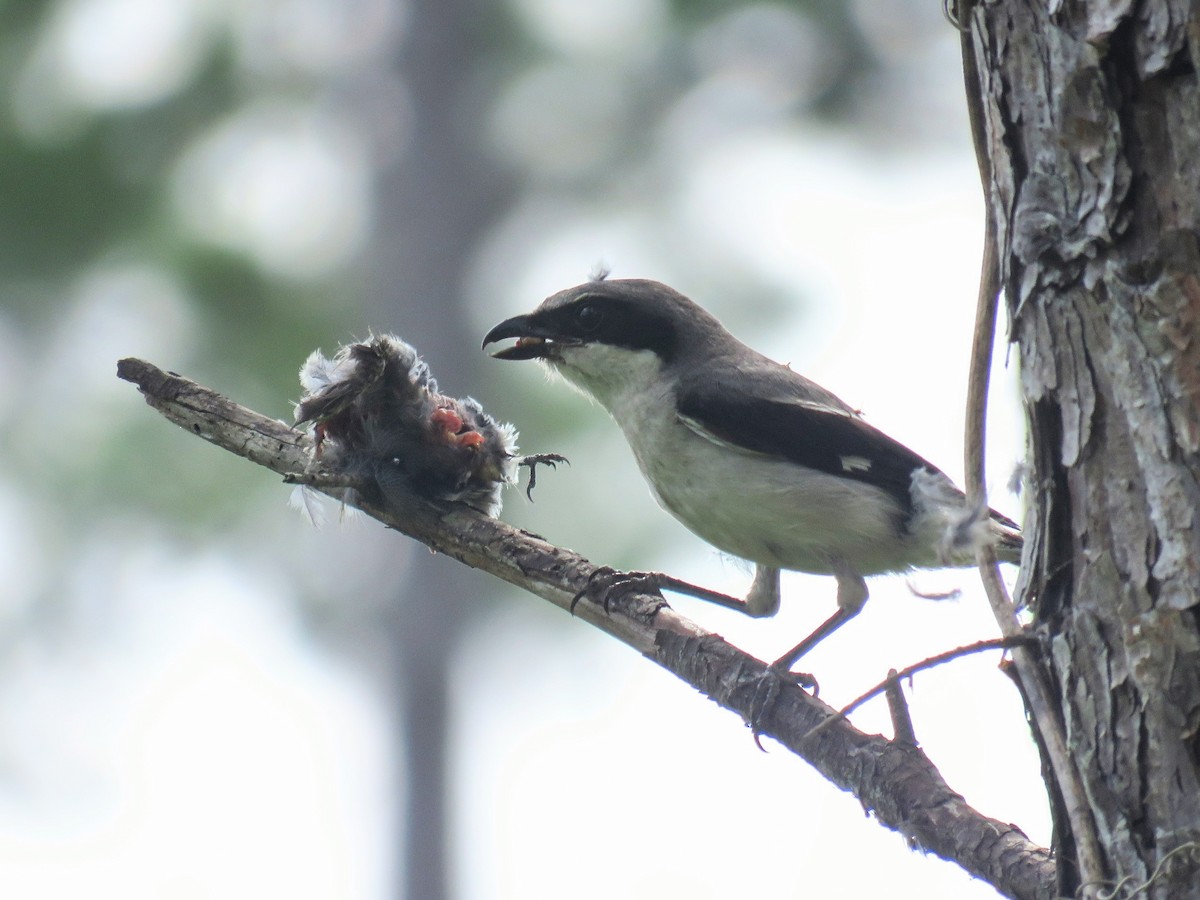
(1091, 117)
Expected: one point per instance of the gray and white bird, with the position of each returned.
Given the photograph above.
(757, 460)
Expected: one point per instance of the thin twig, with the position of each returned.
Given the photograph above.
(1000, 643)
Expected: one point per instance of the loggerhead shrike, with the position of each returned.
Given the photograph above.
(755, 459)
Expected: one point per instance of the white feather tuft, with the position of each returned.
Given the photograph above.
(956, 529)
(319, 372)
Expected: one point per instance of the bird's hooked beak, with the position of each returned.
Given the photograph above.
(534, 339)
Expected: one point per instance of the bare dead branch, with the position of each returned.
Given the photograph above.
(885, 686)
(895, 781)
(902, 726)
(940, 659)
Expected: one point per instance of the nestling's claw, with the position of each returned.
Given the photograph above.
(532, 462)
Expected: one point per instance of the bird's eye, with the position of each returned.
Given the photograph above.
(589, 317)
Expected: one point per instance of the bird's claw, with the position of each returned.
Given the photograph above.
(605, 580)
(533, 461)
(766, 691)
(805, 680)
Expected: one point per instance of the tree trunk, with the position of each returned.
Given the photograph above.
(1091, 116)
(435, 205)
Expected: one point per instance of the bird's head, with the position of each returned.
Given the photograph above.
(607, 337)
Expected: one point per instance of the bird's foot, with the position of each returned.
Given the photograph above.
(806, 680)
(607, 584)
(762, 703)
(532, 461)
(767, 686)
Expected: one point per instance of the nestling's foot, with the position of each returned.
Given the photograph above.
(540, 459)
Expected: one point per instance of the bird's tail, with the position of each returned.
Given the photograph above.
(1006, 537)
(958, 529)
(975, 528)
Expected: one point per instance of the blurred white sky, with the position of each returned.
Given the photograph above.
(214, 750)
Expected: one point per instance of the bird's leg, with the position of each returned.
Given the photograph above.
(605, 581)
(763, 599)
(852, 596)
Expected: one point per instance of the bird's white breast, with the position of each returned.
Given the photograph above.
(760, 508)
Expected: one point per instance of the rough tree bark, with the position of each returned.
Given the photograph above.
(1091, 122)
